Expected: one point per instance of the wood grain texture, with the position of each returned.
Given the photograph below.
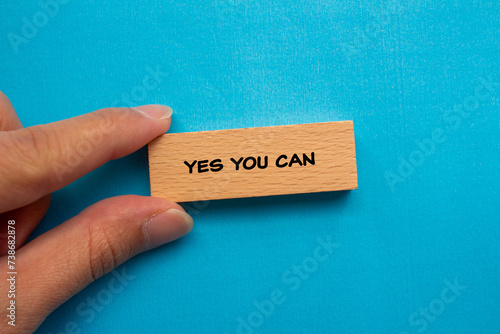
(334, 165)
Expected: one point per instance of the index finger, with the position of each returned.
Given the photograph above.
(41, 159)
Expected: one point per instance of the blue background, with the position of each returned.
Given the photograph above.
(397, 69)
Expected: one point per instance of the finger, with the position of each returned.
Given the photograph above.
(41, 159)
(8, 117)
(61, 262)
(30, 215)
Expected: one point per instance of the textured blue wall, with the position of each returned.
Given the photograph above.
(414, 249)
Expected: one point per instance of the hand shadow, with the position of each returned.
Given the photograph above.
(293, 204)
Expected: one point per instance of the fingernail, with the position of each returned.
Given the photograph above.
(167, 226)
(155, 111)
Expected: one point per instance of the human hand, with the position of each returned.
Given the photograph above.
(38, 160)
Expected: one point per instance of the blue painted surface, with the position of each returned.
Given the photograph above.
(397, 69)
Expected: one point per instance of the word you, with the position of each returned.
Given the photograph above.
(250, 163)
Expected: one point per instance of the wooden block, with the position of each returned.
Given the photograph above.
(251, 162)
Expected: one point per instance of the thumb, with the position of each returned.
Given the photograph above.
(61, 262)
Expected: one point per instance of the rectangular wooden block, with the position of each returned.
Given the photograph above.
(251, 162)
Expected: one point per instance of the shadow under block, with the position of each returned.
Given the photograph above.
(250, 162)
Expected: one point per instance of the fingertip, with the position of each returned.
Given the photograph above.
(155, 111)
(166, 227)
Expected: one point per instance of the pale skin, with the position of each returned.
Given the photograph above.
(39, 160)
